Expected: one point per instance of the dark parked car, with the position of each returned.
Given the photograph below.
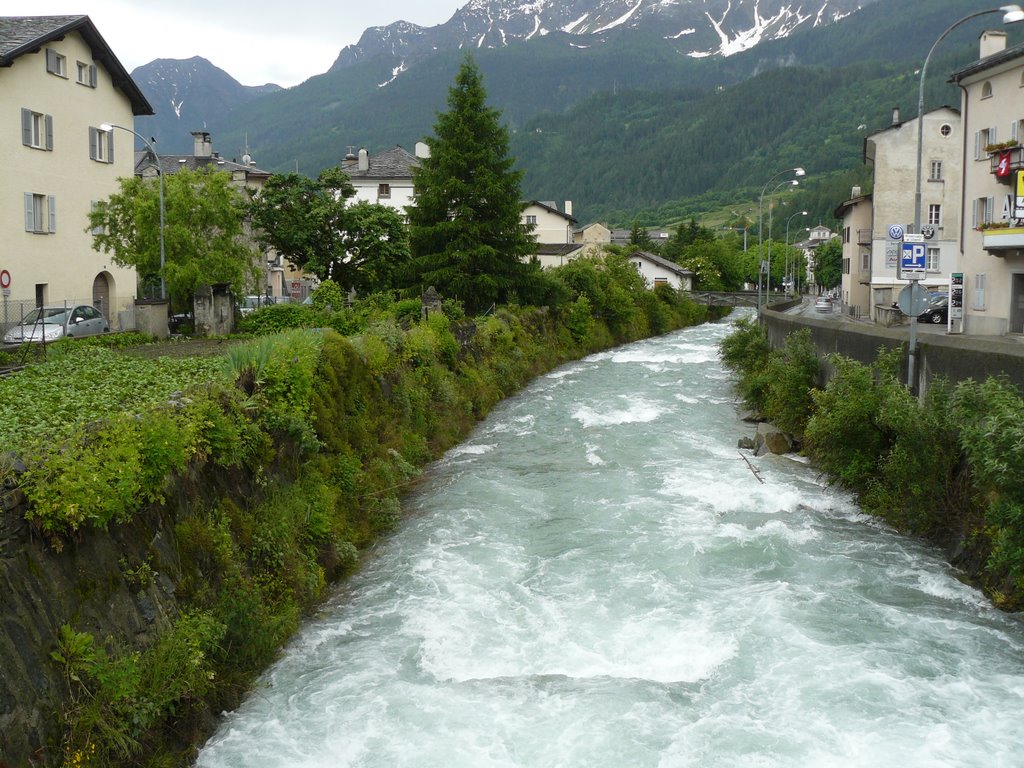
(937, 311)
(52, 323)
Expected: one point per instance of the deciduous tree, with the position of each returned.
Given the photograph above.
(204, 239)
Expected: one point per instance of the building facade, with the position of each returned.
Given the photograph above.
(992, 104)
(548, 224)
(59, 82)
(892, 152)
(384, 178)
(856, 217)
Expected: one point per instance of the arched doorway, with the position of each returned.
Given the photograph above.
(102, 293)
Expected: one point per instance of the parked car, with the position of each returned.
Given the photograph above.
(823, 304)
(937, 311)
(52, 323)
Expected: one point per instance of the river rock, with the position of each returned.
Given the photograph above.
(771, 439)
(746, 443)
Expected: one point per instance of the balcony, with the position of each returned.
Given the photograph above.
(1000, 240)
(1016, 161)
(863, 237)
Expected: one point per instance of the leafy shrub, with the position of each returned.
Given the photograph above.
(746, 351)
(842, 435)
(276, 318)
(790, 377)
(327, 297)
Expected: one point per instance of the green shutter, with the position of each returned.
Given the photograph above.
(26, 127)
(48, 119)
(92, 142)
(30, 212)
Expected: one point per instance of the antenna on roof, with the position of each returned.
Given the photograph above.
(246, 157)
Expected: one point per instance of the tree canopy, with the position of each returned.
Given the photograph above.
(204, 239)
(466, 232)
(828, 264)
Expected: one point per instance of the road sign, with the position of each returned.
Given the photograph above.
(912, 260)
(913, 299)
(928, 231)
(895, 231)
(910, 238)
(5, 278)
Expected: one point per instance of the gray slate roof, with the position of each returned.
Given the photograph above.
(20, 35)
(1007, 54)
(171, 164)
(394, 163)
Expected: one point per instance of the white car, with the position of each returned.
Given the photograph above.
(52, 323)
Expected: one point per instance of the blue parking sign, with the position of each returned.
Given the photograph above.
(913, 258)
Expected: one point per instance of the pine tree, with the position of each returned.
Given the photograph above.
(466, 232)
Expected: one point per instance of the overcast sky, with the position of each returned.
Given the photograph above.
(254, 42)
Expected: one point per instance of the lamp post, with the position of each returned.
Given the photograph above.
(1011, 14)
(160, 173)
(760, 223)
(780, 185)
(798, 213)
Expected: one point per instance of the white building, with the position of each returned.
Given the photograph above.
(384, 178)
(658, 271)
(548, 224)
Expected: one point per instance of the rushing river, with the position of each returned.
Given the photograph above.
(596, 578)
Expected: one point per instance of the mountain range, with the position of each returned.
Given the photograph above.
(586, 85)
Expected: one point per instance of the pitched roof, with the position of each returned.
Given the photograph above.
(20, 35)
(394, 163)
(557, 249)
(551, 209)
(171, 164)
(654, 258)
(1007, 54)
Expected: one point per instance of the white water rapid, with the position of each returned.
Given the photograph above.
(595, 578)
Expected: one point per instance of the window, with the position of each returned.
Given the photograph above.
(36, 129)
(979, 291)
(660, 281)
(932, 260)
(986, 90)
(982, 139)
(935, 215)
(865, 261)
(981, 211)
(56, 64)
(96, 230)
(40, 213)
(846, 265)
(101, 145)
(531, 220)
(946, 129)
(87, 74)
(935, 173)
(383, 190)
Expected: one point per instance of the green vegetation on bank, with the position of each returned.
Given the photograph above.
(949, 468)
(275, 469)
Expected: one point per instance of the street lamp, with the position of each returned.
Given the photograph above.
(780, 185)
(1011, 14)
(160, 172)
(798, 213)
(760, 223)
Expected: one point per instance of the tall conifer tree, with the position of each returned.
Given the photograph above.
(466, 233)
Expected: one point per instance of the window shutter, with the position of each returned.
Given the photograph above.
(51, 203)
(51, 60)
(992, 135)
(979, 291)
(110, 146)
(92, 75)
(974, 213)
(1013, 130)
(48, 119)
(990, 209)
(92, 142)
(977, 145)
(26, 127)
(30, 212)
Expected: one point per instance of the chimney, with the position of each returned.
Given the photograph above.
(992, 41)
(364, 159)
(855, 193)
(422, 150)
(896, 116)
(568, 207)
(202, 145)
